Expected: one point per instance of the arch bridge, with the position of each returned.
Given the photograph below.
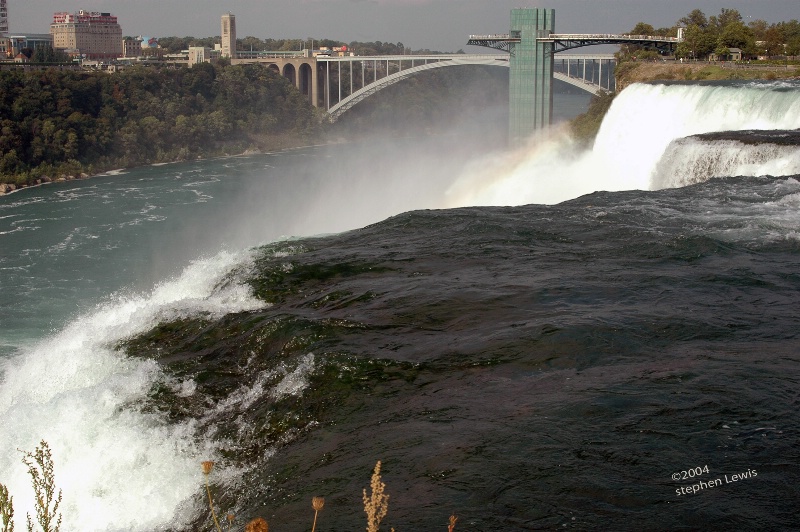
(585, 72)
(530, 54)
(352, 79)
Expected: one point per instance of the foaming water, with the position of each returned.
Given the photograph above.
(640, 125)
(689, 161)
(119, 468)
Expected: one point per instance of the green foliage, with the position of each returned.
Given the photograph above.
(6, 509)
(248, 43)
(49, 55)
(703, 36)
(40, 468)
(65, 121)
(585, 127)
(697, 43)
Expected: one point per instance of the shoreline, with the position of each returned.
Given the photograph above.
(6, 189)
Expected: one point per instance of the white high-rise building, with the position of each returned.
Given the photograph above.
(228, 36)
(3, 18)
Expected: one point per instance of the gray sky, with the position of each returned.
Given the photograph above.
(442, 25)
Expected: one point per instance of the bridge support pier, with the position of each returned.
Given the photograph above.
(531, 74)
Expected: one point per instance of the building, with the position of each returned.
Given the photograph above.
(734, 54)
(131, 47)
(228, 34)
(3, 18)
(14, 44)
(199, 54)
(89, 34)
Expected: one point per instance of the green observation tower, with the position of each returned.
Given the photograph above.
(530, 49)
(531, 75)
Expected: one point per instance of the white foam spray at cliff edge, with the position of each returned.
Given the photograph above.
(641, 123)
(119, 468)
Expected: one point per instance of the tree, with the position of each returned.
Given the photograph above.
(47, 54)
(695, 18)
(759, 28)
(793, 46)
(250, 43)
(735, 35)
(634, 51)
(642, 29)
(773, 42)
(726, 17)
(697, 43)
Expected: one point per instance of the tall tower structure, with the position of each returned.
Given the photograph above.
(228, 35)
(3, 18)
(531, 72)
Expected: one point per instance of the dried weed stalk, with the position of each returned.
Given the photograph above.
(317, 503)
(40, 468)
(257, 525)
(452, 525)
(6, 509)
(208, 465)
(377, 505)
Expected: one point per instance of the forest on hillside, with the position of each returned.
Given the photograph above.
(55, 123)
(65, 123)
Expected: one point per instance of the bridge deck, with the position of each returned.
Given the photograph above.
(447, 57)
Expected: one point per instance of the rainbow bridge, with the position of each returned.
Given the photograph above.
(529, 51)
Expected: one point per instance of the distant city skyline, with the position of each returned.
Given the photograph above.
(442, 25)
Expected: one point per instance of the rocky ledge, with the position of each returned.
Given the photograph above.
(7, 188)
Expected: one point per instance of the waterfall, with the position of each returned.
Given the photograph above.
(642, 123)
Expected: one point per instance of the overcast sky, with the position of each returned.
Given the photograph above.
(442, 25)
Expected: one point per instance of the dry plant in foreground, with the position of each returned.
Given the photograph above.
(6, 509)
(40, 468)
(452, 525)
(377, 505)
(257, 525)
(208, 465)
(317, 503)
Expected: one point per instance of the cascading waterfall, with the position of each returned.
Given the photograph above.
(640, 126)
(693, 160)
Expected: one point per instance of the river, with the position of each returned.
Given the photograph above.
(542, 338)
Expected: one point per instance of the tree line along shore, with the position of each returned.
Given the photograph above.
(63, 125)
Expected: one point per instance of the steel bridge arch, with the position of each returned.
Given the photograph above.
(337, 110)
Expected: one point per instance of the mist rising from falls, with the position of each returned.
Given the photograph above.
(640, 126)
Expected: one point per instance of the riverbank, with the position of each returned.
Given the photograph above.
(259, 144)
(643, 71)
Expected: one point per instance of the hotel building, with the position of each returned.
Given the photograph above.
(90, 34)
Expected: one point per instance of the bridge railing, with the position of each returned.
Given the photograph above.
(608, 36)
(494, 37)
